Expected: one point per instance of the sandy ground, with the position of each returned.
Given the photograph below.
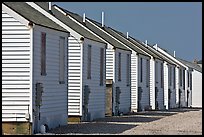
(173, 122)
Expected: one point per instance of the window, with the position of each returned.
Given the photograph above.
(119, 67)
(156, 70)
(162, 76)
(170, 79)
(128, 69)
(43, 54)
(180, 77)
(61, 60)
(184, 79)
(190, 81)
(89, 62)
(147, 73)
(174, 77)
(101, 66)
(140, 69)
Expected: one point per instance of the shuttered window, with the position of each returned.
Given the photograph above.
(190, 81)
(147, 73)
(170, 76)
(140, 69)
(174, 77)
(43, 54)
(101, 66)
(184, 79)
(162, 75)
(61, 60)
(89, 62)
(180, 77)
(156, 70)
(128, 69)
(119, 67)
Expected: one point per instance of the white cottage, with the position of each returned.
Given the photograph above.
(117, 72)
(142, 82)
(86, 71)
(34, 69)
(156, 77)
(169, 70)
(194, 85)
(182, 88)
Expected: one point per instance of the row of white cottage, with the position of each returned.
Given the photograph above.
(58, 65)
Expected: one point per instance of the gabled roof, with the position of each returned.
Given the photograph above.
(66, 20)
(33, 15)
(167, 59)
(191, 65)
(94, 29)
(136, 44)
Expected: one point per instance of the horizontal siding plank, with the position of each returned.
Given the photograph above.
(15, 65)
(22, 44)
(25, 107)
(15, 86)
(17, 32)
(15, 49)
(15, 82)
(20, 27)
(5, 73)
(16, 69)
(4, 61)
(16, 57)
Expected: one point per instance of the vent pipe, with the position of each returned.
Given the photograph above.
(102, 19)
(50, 6)
(146, 43)
(156, 47)
(84, 17)
(174, 53)
(127, 35)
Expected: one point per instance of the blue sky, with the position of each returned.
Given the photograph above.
(172, 25)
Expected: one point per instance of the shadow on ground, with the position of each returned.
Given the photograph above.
(118, 124)
(92, 128)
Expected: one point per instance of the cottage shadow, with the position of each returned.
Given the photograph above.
(92, 128)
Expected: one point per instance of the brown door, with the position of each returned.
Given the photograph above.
(109, 99)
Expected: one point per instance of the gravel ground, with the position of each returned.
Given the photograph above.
(173, 122)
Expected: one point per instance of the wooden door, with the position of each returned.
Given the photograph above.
(109, 100)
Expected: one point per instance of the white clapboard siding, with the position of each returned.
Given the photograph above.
(166, 84)
(177, 86)
(109, 63)
(145, 100)
(74, 76)
(173, 87)
(134, 80)
(125, 99)
(15, 69)
(54, 95)
(183, 95)
(96, 106)
(152, 83)
(196, 89)
(160, 97)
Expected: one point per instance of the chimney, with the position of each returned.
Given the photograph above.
(84, 17)
(127, 35)
(174, 53)
(156, 47)
(146, 43)
(50, 6)
(102, 19)
(195, 61)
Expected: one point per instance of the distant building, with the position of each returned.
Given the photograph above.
(196, 83)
